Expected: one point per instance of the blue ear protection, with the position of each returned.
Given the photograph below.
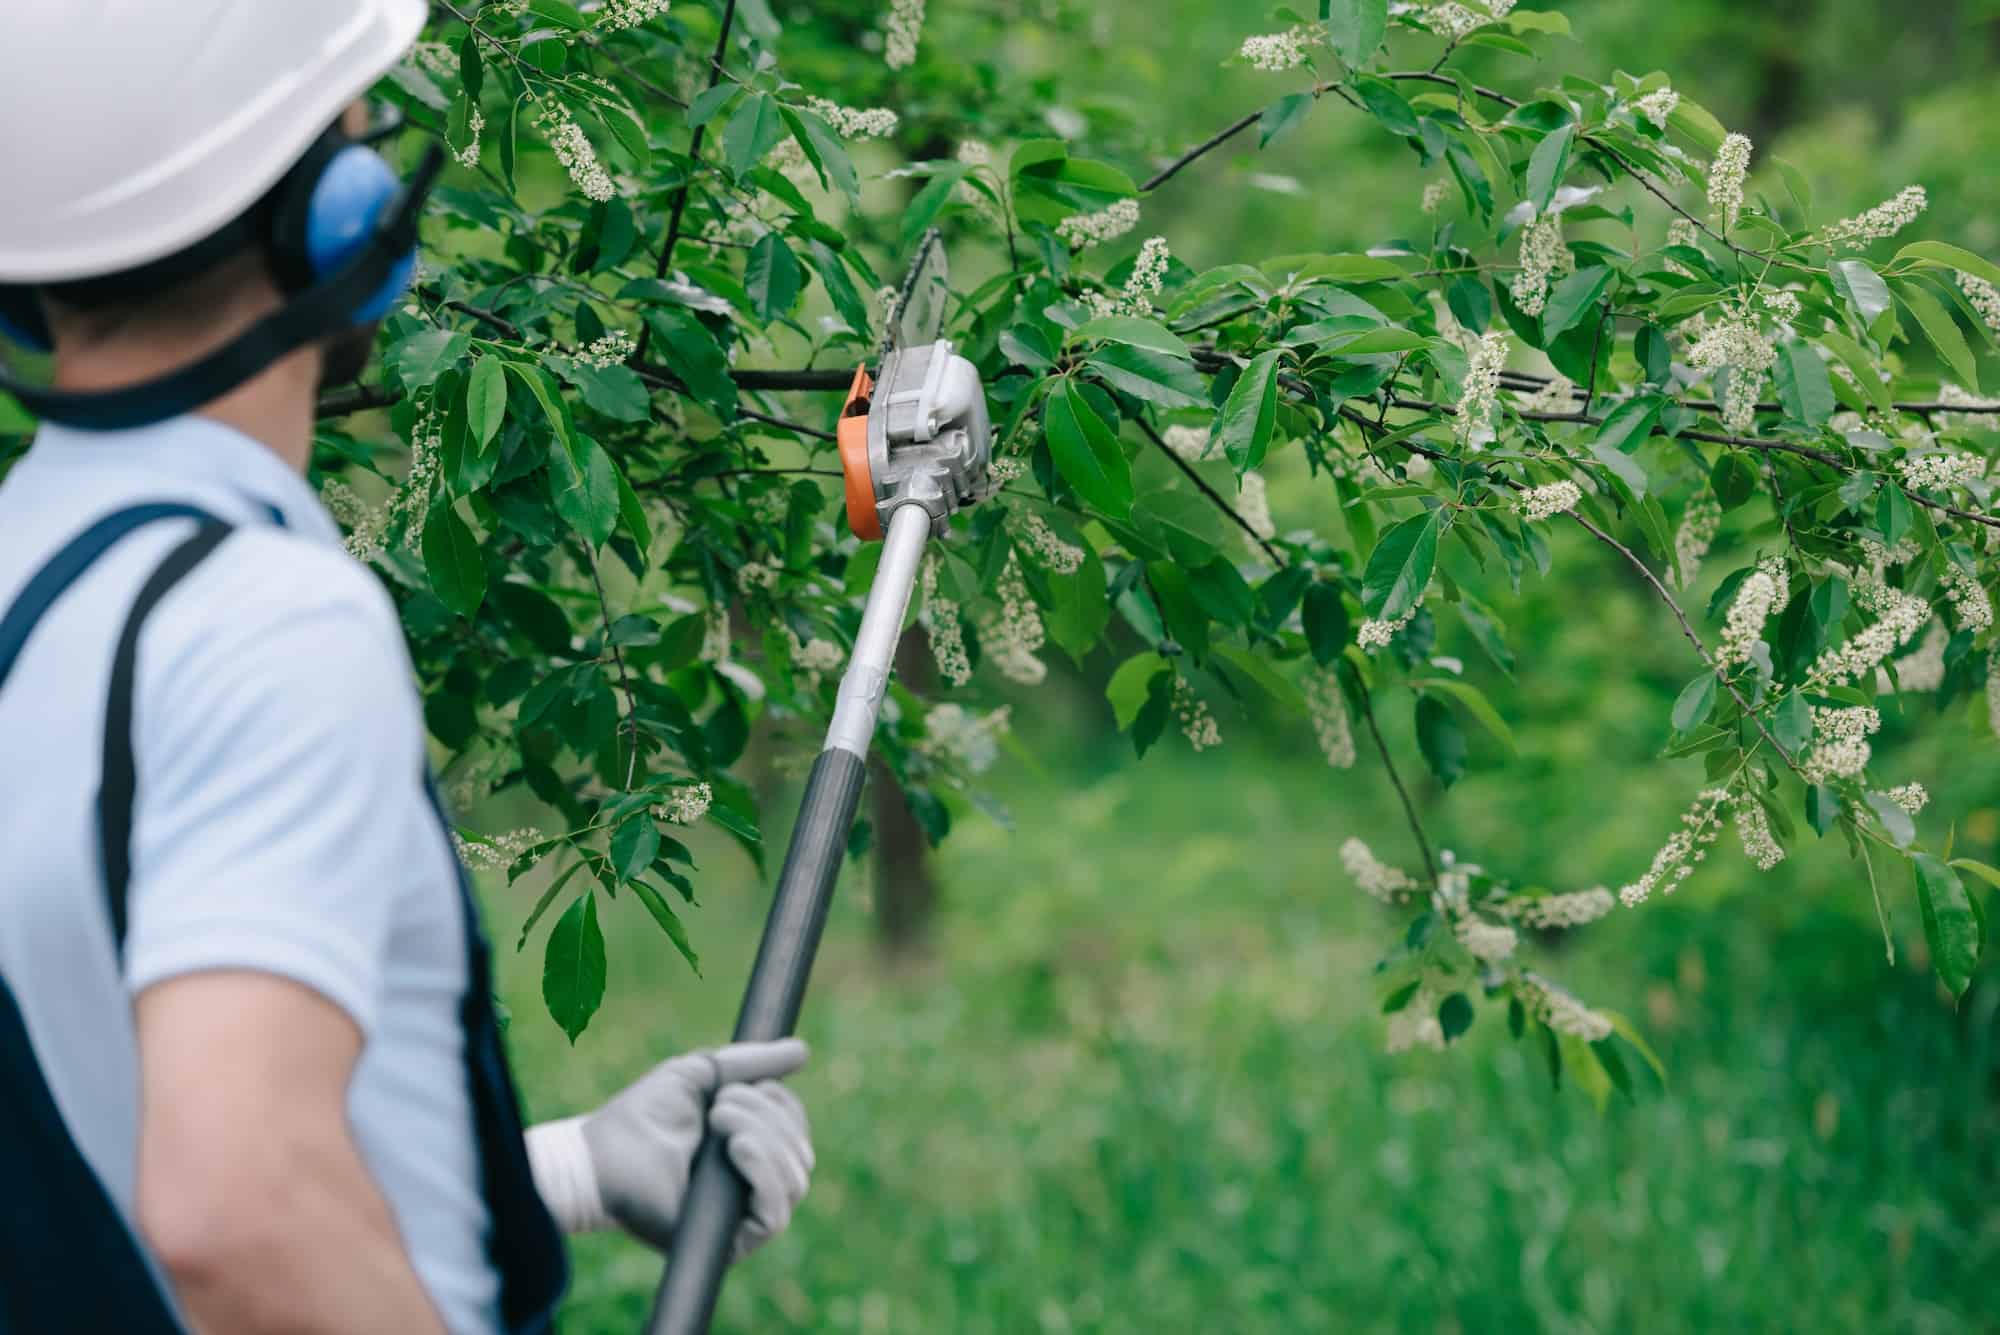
(339, 231)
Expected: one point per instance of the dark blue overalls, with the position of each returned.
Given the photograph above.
(68, 1262)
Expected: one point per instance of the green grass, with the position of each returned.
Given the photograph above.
(1139, 1087)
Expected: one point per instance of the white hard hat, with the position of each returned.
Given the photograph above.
(131, 129)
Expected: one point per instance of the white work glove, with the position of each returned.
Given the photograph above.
(626, 1165)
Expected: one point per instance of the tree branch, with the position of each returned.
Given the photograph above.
(1214, 141)
(624, 677)
(1409, 807)
(1216, 497)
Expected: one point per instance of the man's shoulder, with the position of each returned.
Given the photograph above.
(264, 583)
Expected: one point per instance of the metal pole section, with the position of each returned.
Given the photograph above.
(713, 1209)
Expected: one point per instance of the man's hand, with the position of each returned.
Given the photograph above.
(628, 1162)
(251, 1192)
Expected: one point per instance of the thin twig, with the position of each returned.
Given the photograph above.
(1216, 497)
(352, 399)
(694, 158)
(1409, 807)
(624, 677)
(1214, 141)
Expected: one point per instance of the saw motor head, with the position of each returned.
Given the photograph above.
(917, 433)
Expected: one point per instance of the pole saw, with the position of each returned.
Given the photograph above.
(914, 444)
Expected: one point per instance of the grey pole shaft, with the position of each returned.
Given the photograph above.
(710, 1215)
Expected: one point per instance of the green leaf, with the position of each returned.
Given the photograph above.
(1630, 1033)
(1942, 331)
(1804, 388)
(1630, 423)
(1622, 465)
(1574, 297)
(1441, 739)
(669, 921)
(1937, 254)
(452, 560)
(421, 358)
(584, 486)
(1129, 685)
(1190, 526)
(1695, 702)
(1282, 116)
(1087, 452)
(753, 130)
(710, 103)
(1387, 105)
(772, 277)
(1283, 693)
(485, 400)
(573, 967)
(1476, 704)
(839, 287)
(1791, 723)
(1152, 376)
(1896, 822)
(1324, 614)
(1893, 516)
(922, 211)
(1951, 926)
(1356, 27)
(536, 382)
(1548, 165)
(1399, 569)
(1082, 607)
(1862, 287)
(1251, 413)
(1985, 873)
(1133, 332)
(634, 845)
(824, 150)
(1455, 1015)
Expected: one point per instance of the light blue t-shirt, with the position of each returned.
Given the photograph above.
(281, 823)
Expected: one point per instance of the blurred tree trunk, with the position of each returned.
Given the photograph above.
(905, 889)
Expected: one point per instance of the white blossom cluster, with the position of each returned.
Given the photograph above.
(1899, 616)
(1757, 598)
(1734, 340)
(609, 350)
(1379, 880)
(573, 150)
(1452, 20)
(365, 524)
(852, 122)
(1695, 535)
(1061, 557)
(1253, 502)
(1985, 299)
(1911, 797)
(412, 500)
(618, 14)
(1682, 232)
(1187, 442)
(495, 852)
(1546, 502)
(1276, 52)
(686, 805)
(903, 30)
(1488, 941)
(1573, 909)
(1415, 1025)
(1940, 471)
(1725, 179)
(1377, 634)
(970, 740)
(1014, 635)
(467, 155)
(753, 576)
(1685, 847)
(1542, 254)
(1084, 230)
(1879, 223)
(1958, 396)
(1481, 392)
(1149, 274)
(1753, 827)
(1558, 396)
(1434, 195)
(1656, 107)
(1008, 469)
(1555, 1007)
(1783, 304)
(1192, 712)
(1880, 558)
(1840, 743)
(1326, 705)
(1922, 669)
(1968, 598)
(939, 618)
(813, 659)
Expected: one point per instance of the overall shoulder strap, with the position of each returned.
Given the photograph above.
(119, 787)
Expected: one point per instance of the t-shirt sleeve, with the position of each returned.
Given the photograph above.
(280, 761)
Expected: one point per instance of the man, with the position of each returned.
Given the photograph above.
(250, 1078)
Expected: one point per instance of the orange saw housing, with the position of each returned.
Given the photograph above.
(852, 433)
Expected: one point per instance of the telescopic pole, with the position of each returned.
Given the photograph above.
(713, 1209)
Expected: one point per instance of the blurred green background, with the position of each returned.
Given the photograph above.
(1133, 1079)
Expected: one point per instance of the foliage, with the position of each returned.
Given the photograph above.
(613, 539)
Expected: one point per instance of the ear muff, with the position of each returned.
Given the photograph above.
(325, 212)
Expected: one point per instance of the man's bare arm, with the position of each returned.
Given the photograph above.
(251, 1191)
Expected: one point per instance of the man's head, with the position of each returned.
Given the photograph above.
(195, 217)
